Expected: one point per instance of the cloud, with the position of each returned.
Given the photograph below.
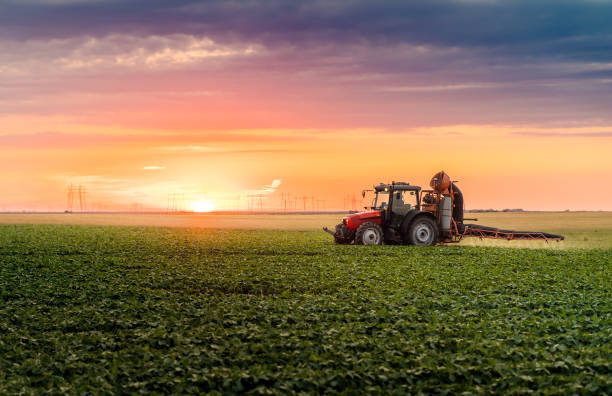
(113, 191)
(98, 183)
(565, 134)
(267, 189)
(218, 142)
(225, 150)
(55, 2)
(115, 50)
(520, 25)
(154, 167)
(205, 149)
(436, 88)
(272, 187)
(474, 61)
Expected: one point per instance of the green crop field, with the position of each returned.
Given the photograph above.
(94, 309)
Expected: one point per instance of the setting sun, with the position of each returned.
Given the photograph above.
(202, 205)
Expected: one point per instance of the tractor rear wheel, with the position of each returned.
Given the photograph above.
(369, 234)
(423, 232)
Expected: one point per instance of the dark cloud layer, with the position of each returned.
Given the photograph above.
(441, 62)
(567, 29)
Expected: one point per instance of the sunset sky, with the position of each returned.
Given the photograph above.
(216, 101)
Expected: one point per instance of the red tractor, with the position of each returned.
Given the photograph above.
(405, 214)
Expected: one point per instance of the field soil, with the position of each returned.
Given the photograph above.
(581, 229)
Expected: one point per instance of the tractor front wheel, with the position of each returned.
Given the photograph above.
(423, 232)
(369, 234)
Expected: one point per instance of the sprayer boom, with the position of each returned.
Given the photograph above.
(480, 231)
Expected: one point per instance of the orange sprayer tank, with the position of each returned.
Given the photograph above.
(440, 182)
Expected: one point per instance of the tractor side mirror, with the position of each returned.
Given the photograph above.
(363, 194)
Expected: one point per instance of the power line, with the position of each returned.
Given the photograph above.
(76, 193)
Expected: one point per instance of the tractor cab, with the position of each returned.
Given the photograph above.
(395, 201)
(400, 197)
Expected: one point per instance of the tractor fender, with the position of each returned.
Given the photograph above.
(410, 217)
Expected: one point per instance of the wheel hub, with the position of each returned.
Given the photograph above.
(371, 237)
(422, 233)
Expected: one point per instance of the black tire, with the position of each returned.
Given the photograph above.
(423, 231)
(369, 234)
(341, 241)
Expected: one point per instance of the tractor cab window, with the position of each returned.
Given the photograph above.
(380, 200)
(403, 202)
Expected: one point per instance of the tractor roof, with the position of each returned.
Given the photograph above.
(398, 186)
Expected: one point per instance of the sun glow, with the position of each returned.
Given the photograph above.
(202, 205)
